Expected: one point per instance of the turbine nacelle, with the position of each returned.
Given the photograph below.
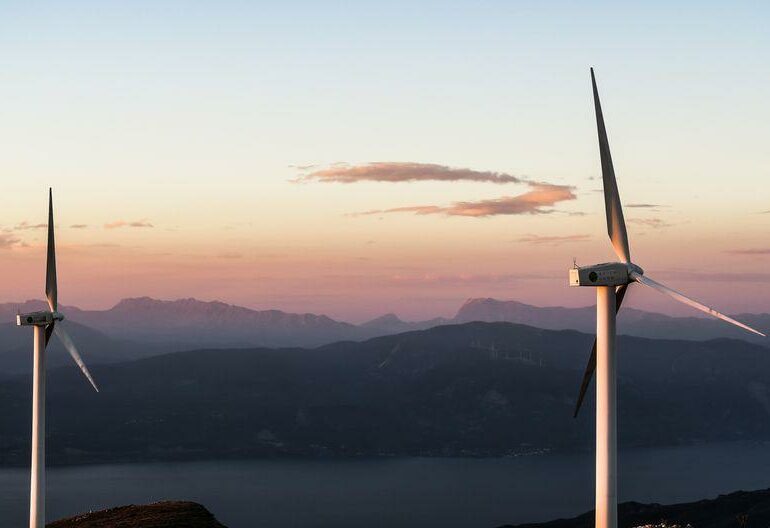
(606, 274)
(43, 318)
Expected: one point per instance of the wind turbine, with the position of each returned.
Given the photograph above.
(611, 281)
(45, 324)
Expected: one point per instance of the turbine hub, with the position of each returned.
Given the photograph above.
(607, 274)
(633, 267)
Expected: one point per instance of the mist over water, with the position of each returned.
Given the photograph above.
(405, 492)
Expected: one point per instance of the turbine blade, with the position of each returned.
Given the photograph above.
(49, 332)
(643, 279)
(50, 269)
(66, 340)
(620, 292)
(616, 225)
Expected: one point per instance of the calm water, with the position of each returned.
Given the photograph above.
(409, 492)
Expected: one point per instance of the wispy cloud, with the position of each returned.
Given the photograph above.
(24, 226)
(104, 245)
(78, 226)
(122, 223)
(553, 240)
(393, 171)
(535, 201)
(754, 251)
(720, 276)
(303, 168)
(643, 206)
(417, 209)
(8, 241)
(432, 279)
(654, 223)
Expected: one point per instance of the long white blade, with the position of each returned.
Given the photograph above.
(66, 340)
(643, 279)
(616, 225)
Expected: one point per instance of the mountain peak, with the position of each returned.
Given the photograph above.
(482, 308)
(388, 318)
(489, 301)
(132, 302)
(389, 323)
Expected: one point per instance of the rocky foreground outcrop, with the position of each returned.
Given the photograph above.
(157, 515)
(742, 509)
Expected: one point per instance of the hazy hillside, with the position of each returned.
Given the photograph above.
(94, 346)
(557, 317)
(630, 321)
(478, 388)
(391, 324)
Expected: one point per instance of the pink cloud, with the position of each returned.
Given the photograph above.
(23, 226)
(404, 172)
(533, 202)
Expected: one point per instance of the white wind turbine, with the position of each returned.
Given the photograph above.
(611, 281)
(45, 324)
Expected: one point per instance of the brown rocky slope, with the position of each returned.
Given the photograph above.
(158, 515)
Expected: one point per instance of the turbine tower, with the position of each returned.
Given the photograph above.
(611, 281)
(45, 324)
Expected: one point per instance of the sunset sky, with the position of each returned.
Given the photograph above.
(360, 158)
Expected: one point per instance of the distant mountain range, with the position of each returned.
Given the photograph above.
(189, 323)
(193, 323)
(474, 389)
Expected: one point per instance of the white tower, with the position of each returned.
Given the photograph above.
(44, 325)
